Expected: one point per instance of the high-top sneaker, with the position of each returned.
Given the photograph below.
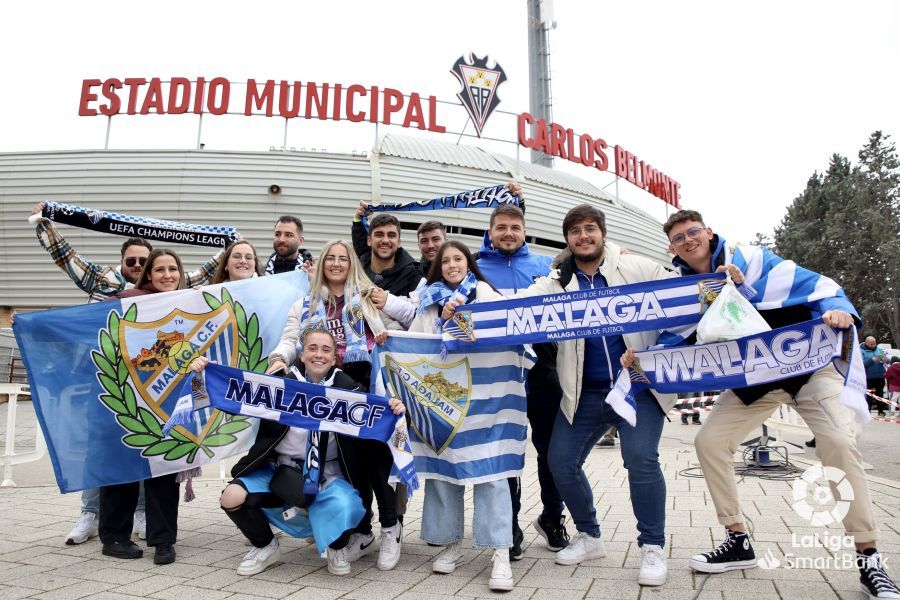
(735, 552)
(873, 577)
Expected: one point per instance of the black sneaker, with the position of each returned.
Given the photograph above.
(516, 552)
(606, 442)
(553, 531)
(873, 577)
(165, 554)
(126, 549)
(735, 552)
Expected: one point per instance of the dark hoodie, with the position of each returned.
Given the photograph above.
(401, 279)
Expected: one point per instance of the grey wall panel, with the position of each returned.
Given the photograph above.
(231, 188)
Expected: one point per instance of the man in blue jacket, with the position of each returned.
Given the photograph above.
(785, 293)
(873, 361)
(510, 266)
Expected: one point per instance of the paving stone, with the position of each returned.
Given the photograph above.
(82, 589)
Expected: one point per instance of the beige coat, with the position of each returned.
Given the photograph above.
(618, 270)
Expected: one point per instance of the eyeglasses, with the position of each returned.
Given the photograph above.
(331, 258)
(246, 257)
(588, 229)
(692, 233)
(131, 261)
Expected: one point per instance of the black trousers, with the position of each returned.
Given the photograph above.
(251, 520)
(542, 406)
(369, 465)
(117, 504)
(878, 386)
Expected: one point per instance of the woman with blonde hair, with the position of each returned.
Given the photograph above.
(339, 302)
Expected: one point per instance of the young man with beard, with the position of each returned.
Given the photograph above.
(430, 235)
(815, 397)
(99, 283)
(587, 370)
(510, 266)
(387, 264)
(286, 241)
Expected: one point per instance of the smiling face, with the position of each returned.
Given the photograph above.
(430, 242)
(164, 273)
(585, 240)
(454, 266)
(507, 234)
(690, 240)
(133, 262)
(241, 262)
(384, 241)
(287, 240)
(336, 264)
(318, 355)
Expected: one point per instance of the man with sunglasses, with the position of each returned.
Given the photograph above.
(100, 282)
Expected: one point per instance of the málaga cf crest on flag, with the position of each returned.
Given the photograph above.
(105, 377)
(466, 411)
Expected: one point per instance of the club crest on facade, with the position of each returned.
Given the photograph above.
(436, 396)
(479, 87)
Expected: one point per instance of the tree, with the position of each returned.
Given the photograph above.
(846, 225)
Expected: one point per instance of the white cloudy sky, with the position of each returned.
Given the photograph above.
(740, 102)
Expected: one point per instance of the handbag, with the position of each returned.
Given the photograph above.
(287, 484)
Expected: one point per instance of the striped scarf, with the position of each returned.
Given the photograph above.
(356, 348)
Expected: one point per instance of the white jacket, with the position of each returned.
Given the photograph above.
(286, 349)
(618, 270)
(425, 323)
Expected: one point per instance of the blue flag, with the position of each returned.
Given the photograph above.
(105, 377)
(467, 411)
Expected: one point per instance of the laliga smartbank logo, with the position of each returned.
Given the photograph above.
(814, 500)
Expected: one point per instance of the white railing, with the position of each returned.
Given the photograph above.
(10, 457)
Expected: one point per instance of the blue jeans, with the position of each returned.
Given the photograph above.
(90, 500)
(572, 442)
(443, 521)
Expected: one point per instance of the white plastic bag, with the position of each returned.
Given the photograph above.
(729, 317)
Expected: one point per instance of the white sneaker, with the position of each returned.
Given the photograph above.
(260, 559)
(86, 528)
(501, 573)
(447, 561)
(338, 562)
(653, 565)
(140, 524)
(359, 545)
(582, 547)
(391, 540)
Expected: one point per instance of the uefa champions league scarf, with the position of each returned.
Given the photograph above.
(131, 226)
(489, 197)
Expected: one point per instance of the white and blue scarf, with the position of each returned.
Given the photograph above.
(440, 293)
(103, 221)
(356, 348)
(617, 310)
(304, 405)
(489, 197)
(771, 356)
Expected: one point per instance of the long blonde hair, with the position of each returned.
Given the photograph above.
(356, 278)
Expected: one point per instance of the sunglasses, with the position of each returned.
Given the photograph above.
(131, 261)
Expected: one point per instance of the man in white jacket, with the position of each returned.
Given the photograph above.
(587, 370)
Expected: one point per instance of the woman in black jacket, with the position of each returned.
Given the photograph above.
(249, 502)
